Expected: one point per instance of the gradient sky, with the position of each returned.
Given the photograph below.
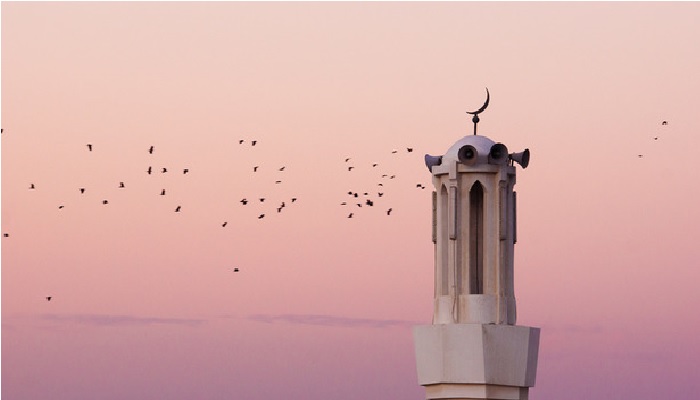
(145, 303)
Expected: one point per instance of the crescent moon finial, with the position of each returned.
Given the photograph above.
(476, 113)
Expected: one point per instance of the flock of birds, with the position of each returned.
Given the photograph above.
(358, 199)
(663, 123)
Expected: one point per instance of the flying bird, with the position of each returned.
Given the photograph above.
(664, 123)
(344, 203)
(164, 170)
(281, 169)
(350, 216)
(105, 202)
(82, 190)
(278, 182)
(409, 149)
(121, 184)
(149, 170)
(162, 192)
(279, 209)
(253, 142)
(374, 165)
(394, 151)
(294, 199)
(240, 141)
(380, 194)
(150, 150)
(244, 201)
(6, 234)
(261, 216)
(186, 170)
(350, 168)
(235, 270)
(640, 155)
(420, 186)
(262, 199)
(177, 209)
(369, 202)
(31, 186)
(224, 224)
(60, 207)
(255, 168)
(347, 159)
(388, 212)
(48, 298)
(89, 146)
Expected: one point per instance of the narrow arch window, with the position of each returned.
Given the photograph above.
(444, 276)
(476, 239)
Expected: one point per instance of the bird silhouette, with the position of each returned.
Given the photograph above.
(394, 151)
(278, 182)
(261, 216)
(380, 184)
(279, 209)
(392, 177)
(121, 184)
(6, 234)
(294, 199)
(224, 224)
(162, 192)
(82, 190)
(244, 201)
(380, 194)
(347, 159)
(235, 270)
(240, 141)
(409, 149)
(149, 170)
(369, 202)
(388, 212)
(355, 194)
(255, 168)
(253, 142)
(281, 169)
(262, 199)
(350, 168)
(374, 165)
(164, 170)
(60, 207)
(48, 298)
(31, 186)
(420, 186)
(664, 122)
(89, 146)
(177, 209)
(640, 155)
(186, 170)
(359, 204)
(350, 216)
(344, 203)
(105, 202)
(656, 138)
(150, 150)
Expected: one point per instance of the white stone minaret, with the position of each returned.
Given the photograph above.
(473, 349)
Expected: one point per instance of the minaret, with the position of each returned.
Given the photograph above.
(473, 349)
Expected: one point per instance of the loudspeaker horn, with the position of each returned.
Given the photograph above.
(522, 158)
(431, 161)
(467, 154)
(498, 154)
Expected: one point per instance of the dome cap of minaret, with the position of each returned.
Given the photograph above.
(471, 150)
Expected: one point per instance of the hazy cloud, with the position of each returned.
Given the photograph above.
(331, 320)
(117, 320)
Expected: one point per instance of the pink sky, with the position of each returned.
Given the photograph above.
(144, 301)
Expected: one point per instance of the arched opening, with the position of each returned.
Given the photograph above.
(444, 275)
(476, 239)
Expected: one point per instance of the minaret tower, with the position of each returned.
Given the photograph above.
(473, 349)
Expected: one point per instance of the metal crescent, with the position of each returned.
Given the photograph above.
(486, 104)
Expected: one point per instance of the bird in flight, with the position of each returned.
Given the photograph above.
(177, 209)
(278, 182)
(60, 207)
(253, 142)
(186, 170)
(235, 269)
(105, 202)
(347, 159)
(121, 184)
(374, 165)
(350, 168)
(244, 201)
(162, 192)
(369, 202)
(420, 186)
(240, 141)
(294, 199)
(6, 234)
(262, 199)
(394, 151)
(89, 146)
(150, 150)
(31, 186)
(279, 209)
(281, 169)
(388, 212)
(350, 216)
(255, 168)
(261, 216)
(48, 298)
(664, 122)
(344, 203)
(82, 190)
(640, 155)
(224, 224)
(164, 170)
(149, 170)
(409, 149)
(380, 194)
